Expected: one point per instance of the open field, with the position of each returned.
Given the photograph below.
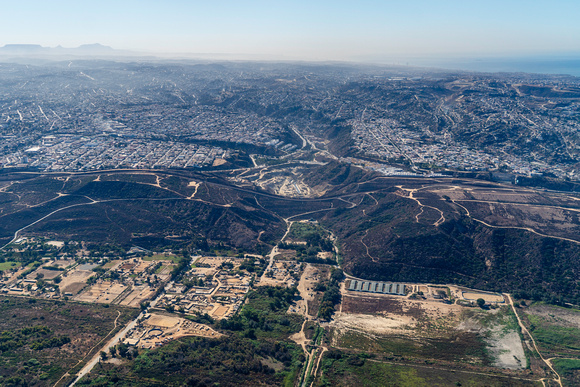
(75, 280)
(62, 263)
(569, 370)
(9, 265)
(424, 328)
(353, 370)
(555, 329)
(44, 273)
(162, 257)
(112, 264)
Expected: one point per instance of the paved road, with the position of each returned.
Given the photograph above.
(111, 343)
(114, 341)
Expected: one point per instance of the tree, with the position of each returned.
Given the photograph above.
(123, 349)
(480, 302)
(103, 355)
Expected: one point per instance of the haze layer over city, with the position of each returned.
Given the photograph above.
(290, 194)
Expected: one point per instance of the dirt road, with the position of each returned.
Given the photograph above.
(558, 379)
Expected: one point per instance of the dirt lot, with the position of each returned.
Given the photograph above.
(284, 254)
(394, 323)
(220, 311)
(103, 292)
(488, 297)
(74, 288)
(142, 266)
(373, 324)
(139, 294)
(428, 316)
(164, 321)
(310, 299)
(75, 281)
(159, 329)
(499, 330)
(46, 274)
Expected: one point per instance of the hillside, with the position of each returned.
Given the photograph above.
(443, 230)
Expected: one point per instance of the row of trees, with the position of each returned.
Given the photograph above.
(331, 295)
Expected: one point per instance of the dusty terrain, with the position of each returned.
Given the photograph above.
(159, 329)
(422, 319)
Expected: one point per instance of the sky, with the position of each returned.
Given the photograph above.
(311, 30)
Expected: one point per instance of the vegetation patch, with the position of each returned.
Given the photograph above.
(331, 295)
(40, 340)
(342, 369)
(255, 351)
(569, 370)
(552, 337)
(555, 329)
(463, 347)
(162, 257)
(9, 265)
(228, 361)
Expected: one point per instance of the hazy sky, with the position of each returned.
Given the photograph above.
(298, 29)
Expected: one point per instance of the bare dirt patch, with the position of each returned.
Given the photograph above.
(104, 292)
(44, 273)
(498, 327)
(71, 280)
(220, 311)
(160, 320)
(373, 324)
(139, 294)
(74, 288)
(488, 297)
(307, 305)
(160, 329)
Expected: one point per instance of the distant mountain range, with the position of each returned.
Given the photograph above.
(38, 51)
